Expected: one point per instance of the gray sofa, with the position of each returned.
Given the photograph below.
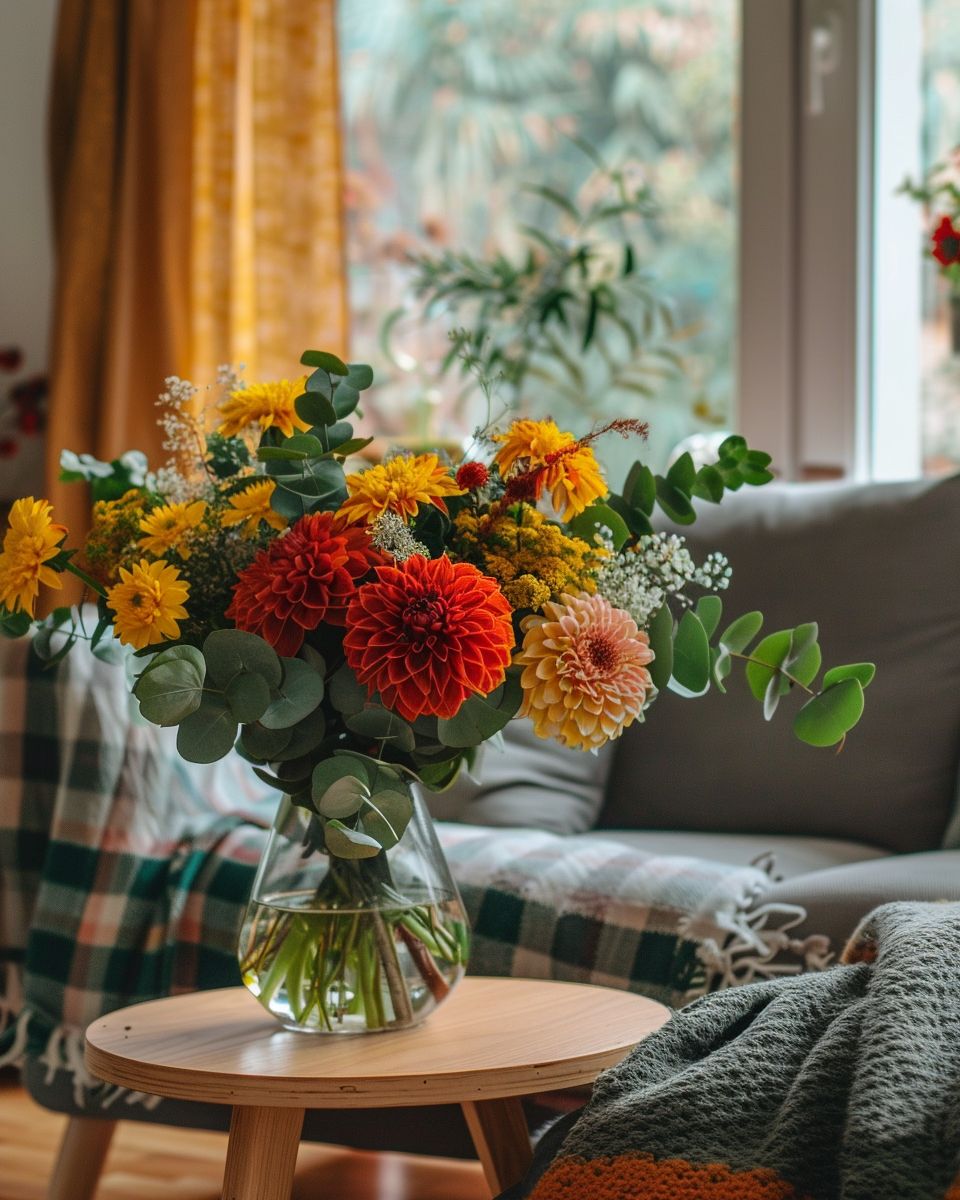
(879, 567)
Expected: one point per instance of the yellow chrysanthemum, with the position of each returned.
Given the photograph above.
(585, 676)
(31, 540)
(167, 527)
(251, 506)
(147, 603)
(269, 405)
(537, 456)
(399, 486)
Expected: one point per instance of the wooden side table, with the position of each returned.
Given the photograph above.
(493, 1041)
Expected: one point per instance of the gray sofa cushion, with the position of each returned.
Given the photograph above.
(878, 567)
(530, 782)
(791, 856)
(837, 899)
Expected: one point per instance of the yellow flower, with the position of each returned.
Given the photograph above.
(545, 457)
(113, 536)
(147, 603)
(167, 527)
(251, 506)
(529, 443)
(399, 486)
(31, 541)
(585, 676)
(526, 592)
(268, 405)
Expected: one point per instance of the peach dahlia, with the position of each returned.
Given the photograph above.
(585, 676)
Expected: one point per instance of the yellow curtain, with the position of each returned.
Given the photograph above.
(195, 168)
(120, 184)
(268, 278)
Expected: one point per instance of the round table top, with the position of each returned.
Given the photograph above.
(492, 1038)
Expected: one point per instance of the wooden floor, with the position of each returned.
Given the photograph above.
(154, 1162)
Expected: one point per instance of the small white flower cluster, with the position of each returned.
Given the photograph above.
(390, 534)
(640, 581)
(230, 377)
(177, 420)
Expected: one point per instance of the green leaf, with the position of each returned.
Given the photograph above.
(248, 697)
(660, 633)
(683, 474)
(301, 691)
(14, 625)
(439, 776)
(709, 485)
(349, 843)
(709, 609)
(264, 744)
(386, 815)
(734, 447)
(480, 717)
(375, 721)
(232, 652)
(803, 661)
(864, 672)
(325, 360)
(315, 409)
(586, 524)
(171, 687)
(208, 733)
(351, 446)
(305, 738)
(721, 665)
(360, 376)
(343, 798)
(740, 633)
(346, 694)
(674, 503)
(824, 720)
(333, 772)
(640, 488)
(345, 399)
(691, 655)
(766, 661)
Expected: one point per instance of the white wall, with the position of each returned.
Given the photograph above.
(26, 35)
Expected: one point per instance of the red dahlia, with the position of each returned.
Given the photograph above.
(946, 243)
(472, 475)
(305, 577)
(428, 634)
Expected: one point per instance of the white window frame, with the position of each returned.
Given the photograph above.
(829, 329)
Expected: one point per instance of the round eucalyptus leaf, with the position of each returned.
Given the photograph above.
(171, 687)
(345, 842)
(248, 697)
(208, 733)
(824, 720)
(301, 691)
(765, 661)
(263, 743)
(343, 798)
(386, 816)
(232, 652)
(333, 771)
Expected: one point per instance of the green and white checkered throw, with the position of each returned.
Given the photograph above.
(124, 873)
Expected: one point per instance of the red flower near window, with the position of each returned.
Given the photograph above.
(305, 577)
(428, 634)
(946, 243)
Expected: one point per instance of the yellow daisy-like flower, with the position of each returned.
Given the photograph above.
(147, 603)
(585, 676)
(399, 486)
(167, 527)
(32, 539)
(251, 506)
(269, 405)
(537, 456)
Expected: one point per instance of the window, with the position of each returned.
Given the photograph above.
(452, 107)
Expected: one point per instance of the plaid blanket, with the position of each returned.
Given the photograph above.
(124, 873)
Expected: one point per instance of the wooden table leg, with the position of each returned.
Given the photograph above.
(500, 1134)
(82, 1154)
(262, 1153)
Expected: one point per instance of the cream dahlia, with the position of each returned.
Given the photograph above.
(584, 671)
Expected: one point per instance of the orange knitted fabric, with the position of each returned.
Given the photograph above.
(640, 1177)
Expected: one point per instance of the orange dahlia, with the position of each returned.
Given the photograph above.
(584, 671)
(428, 634)
(305, 577)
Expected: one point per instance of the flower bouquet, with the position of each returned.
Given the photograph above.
(356, 633)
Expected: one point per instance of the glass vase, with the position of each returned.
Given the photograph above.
(362, 945)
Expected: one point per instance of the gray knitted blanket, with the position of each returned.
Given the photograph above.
(843, 1085)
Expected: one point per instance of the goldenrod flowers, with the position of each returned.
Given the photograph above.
(31, 541)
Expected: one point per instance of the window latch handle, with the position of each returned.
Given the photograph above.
(824, 59)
